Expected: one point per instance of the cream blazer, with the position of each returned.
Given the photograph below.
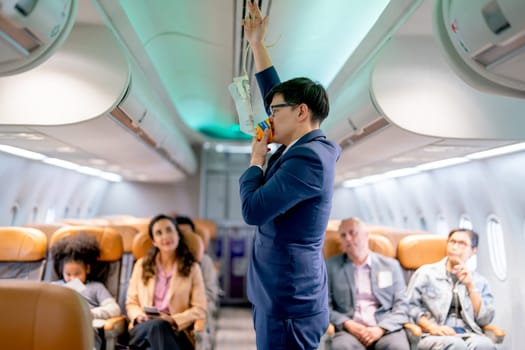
(187, 297)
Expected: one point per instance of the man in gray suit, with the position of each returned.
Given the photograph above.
(368, 305)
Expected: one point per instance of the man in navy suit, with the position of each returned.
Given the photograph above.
(290, 202)
(368, 304)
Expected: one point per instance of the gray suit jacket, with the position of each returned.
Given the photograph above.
(388, 286)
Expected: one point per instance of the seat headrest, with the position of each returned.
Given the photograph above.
(416, 250)
(204, 235)
(206, 225)
(381, 245)
(22, 244)
(142, 244)
(141, 224)
(109, 240)
(43, 316)
(393, 234)
(331, 244)
(48, 229)
(376, 243)
(127, 233)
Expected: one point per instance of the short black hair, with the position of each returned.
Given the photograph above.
(303, 90)
(474, 237)
(185, 220)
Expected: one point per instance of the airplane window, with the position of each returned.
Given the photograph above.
(441, 225)
(496, 247)
(14, 213)
(35, 214)
(50, 215)
(464, 222)
(423, 223)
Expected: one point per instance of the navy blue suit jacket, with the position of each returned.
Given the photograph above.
(290, 204)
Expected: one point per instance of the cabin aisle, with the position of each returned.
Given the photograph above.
(235, 329)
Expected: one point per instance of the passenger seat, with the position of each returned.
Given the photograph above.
(42, 316)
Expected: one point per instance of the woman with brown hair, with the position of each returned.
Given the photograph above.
(166, 292)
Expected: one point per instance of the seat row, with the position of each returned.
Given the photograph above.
(412, 249)
(24, 256)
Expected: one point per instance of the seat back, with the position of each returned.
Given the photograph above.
(142, 244)
(393, 234)
(22, 253)
(206, 225)
(416, 250)
(108, 267)
(128, 233)
(42, 316)
(376, 243)
(205, 237)
(48, 230)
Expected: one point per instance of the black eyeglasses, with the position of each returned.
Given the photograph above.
(286, 104)
(461, 244)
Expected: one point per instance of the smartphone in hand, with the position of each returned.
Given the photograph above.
(151, 311)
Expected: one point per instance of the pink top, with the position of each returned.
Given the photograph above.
(162, 283)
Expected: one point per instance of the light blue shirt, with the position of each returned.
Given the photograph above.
(430, 294)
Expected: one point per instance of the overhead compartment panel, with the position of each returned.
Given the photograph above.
(484, 41)
(419, 92)
(31, 31)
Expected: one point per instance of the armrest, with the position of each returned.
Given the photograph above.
(413, 332)
(413, 328)
(199, 325)
(331, 329)
(115, 323)
(494, 333)
(114, 327)
(201, 337)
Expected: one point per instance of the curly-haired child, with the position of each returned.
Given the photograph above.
(73, 259)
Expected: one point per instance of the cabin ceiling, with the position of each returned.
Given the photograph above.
(187, 52)
(197, 59)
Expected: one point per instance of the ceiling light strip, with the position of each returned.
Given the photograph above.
(434, 165)
(60, 163)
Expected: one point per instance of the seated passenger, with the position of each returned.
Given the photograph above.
(168, 279)
(449, 302)
(73, 258)
(209, 273)
(368, 305)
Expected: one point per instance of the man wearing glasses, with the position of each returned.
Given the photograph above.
(290, 204)
(450, 302)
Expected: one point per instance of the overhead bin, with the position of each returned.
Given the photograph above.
(145, 115)
(354, 104)
(484, 42)
(409, 96)
(75, 112)
(31, 31)
(417, 91)
(354, 114)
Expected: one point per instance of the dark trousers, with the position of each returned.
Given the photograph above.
(397, 340)
(300, 333)
(157, 334)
